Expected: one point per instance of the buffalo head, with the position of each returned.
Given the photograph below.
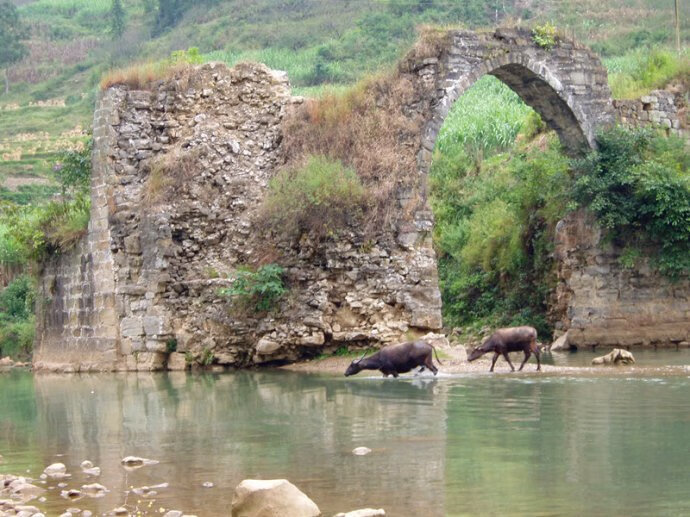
(354, 367)
(476, 353)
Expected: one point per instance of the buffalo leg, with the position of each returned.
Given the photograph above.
(527, 354)
(537, 353)
(512, 368)
(493, 361)
(421, 369)
(430, 364)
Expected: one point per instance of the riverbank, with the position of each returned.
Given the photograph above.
(453, 362)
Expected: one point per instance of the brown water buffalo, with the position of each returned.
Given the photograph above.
(396, 359)
(511, 339)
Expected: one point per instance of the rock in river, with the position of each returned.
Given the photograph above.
(134, 462)
(364, 512)
(271, 498)
(56, 471)
(615, 357)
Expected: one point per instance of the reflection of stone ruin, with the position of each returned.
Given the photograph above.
(229, 437)
(179, 172)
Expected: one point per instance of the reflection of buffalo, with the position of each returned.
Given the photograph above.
(511, 339)
(395, 359)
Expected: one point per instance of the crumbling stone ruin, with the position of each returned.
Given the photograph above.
(179, 172)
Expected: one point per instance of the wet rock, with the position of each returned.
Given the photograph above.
(86, 513)
(561, 344)
(72, 494)
(120, 510)
(19, 488)
(89, 469)
(7, 505)
(364, 512)
(271, 498)
(134, 462)
(95, 490)
(615, 357)
(173, 513)
(207, 484)
(361, 451)
(56, 471)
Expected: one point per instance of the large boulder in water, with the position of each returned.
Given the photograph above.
(271, 498)
(615, 357)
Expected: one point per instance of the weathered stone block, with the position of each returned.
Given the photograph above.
(132, 244)
(177, 362)
(131, 327)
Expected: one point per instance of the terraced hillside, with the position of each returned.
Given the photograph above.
(319, 42)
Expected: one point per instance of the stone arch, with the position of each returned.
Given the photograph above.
(567, 85)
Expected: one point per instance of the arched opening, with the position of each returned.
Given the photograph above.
(545, 100)
(498, 182)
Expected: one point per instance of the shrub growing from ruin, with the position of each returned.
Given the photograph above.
(638, 185)
(258, 290)
(321, 198)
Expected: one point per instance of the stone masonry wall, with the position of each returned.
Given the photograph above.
(179, 174)
(604, 303)
(661, 108)
(188, 164)
(77, 323)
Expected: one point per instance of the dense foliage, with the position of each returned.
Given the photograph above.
(32, 233)
(638, 185)
(17, 318)
(258, 291)
(12, 35)
(321, 198)
(499, 185)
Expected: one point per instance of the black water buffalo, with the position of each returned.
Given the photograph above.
(395, 359)
(511, 339)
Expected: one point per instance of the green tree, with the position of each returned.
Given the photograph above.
(117, 19)
(12, 33)
(169, 13)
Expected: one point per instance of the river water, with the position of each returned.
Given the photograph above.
(479, 444)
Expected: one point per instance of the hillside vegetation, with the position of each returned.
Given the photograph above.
(319, 42)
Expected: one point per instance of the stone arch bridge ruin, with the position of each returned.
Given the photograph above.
(180, 169)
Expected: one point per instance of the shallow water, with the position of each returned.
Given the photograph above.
(457, 445)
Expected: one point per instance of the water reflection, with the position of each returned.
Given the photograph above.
(451, 446)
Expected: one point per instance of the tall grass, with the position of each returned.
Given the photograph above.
(486, 118)
(642, 70)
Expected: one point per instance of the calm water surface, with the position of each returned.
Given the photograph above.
(456, 445)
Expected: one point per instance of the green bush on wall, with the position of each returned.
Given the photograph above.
(320, 198)
(257, 290)
(638, 185)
